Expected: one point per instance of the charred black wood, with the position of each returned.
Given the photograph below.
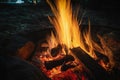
(55, 51)
(98, 72)
(100, 56)
(67, 66)
(54, 63)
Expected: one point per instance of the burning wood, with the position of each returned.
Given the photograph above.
(56, 50)
(68, 66)
(91, 64)
(67, 63)
(103, 60)
(54, 63)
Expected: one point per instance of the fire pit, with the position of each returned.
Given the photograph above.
(68, 51)
(58, 64)
(55, 63)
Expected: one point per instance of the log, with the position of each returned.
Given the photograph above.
(54, 63)
(55, 51)
(97, 71)
(101, 57)
(67, 66)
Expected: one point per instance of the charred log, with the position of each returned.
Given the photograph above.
(91, 64)
(67, 66)
(54, 63)
(101, 57)
(55, 51)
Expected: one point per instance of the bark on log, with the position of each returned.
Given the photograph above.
(97, 71)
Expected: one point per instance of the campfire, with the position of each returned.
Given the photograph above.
(69, 52)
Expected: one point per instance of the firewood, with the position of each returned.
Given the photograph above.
(91, 64)
(67, 66)
(101, 57)
(54, 63)
(55, 51)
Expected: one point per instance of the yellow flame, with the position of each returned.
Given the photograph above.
(67, 28)
(65, 23)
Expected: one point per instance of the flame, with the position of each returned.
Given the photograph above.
(69, 32)
(67, 26)
(52, 42)
(65, 23)
(107, 52)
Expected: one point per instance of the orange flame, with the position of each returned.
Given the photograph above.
(68, 31)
